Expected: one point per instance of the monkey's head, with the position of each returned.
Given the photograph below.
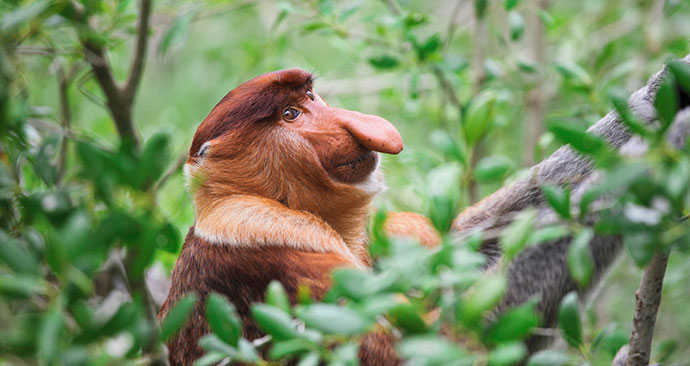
(274, 137)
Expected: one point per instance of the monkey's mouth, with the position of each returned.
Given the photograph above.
(355, 170)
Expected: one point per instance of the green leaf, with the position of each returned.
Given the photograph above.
(510, 4)
(666, 101)
(681, 72)
(493, 169)
(290, 347)
(485, 294)
(508, 354)
(44, 160)
(332, 319)
(274, 321)
(277, 296)
(514, 324)
(177, 32)
(441, 140)
(559, 199)
(154, 160)
(432, 350)
(49, 334)
(311, 359)
(548, 358)
(641, 245)
(547, 234)
(574, 73)
(177, 316)
(528, 65)
(427, 48)
(214, 344)
(569, 319)
(16, 18)
(209, 359)
(21, 286)
(406, 317)
(479, 116)
(480, 8)
(15, 255)
(384, 62)
(515, 237)
(516, 24)
(579, 257)
(630, 120)
(578, 138)
(357, 284)
(223, 319)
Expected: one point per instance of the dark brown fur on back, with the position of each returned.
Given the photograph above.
(242, 275)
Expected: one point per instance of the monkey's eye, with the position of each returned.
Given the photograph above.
(310, 94)
(290, 114)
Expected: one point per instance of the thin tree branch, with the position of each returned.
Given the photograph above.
(393, 7)
(452, 24)
(172, 169)
(139, 57)
(647, 300)
(64, 80)
(478, 78)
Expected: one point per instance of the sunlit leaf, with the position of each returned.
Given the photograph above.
(277, 296)
(666, 101)
(579, 257)
(508, 354)
(569, 319)
(177, 32)
(516, 24)
(177, 316)
(493, 169)
(510, 4)
(478, 118)
(274, 321)
(514, 238)
(223, 319)
(548, 358)
(331, 318)
(559, 199)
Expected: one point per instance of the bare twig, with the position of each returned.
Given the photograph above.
(120, 99)
(447, 87)
(534, 116)
(648, 298)
(139, 58)
(64, 81)
(393, 7)
(172, 169)
(452, 24)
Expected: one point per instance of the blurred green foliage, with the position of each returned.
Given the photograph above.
(74, 198)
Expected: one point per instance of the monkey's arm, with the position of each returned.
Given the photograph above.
(411, 225)
(542, 270)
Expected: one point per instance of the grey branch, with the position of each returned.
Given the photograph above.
(648, 298)
(542, 269)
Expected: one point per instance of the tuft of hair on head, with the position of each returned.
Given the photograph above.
(255, 101)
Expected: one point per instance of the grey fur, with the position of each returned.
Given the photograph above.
(542, 270)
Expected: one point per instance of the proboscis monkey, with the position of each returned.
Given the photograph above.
(282, 184)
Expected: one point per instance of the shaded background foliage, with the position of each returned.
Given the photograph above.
(471, 85)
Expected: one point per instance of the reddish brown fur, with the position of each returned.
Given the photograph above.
(277, 200)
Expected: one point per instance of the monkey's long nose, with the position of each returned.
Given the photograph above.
(373, 132)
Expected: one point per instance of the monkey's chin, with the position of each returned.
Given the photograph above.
(356, 170)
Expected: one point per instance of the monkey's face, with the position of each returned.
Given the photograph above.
(274, 137)
(346, 142)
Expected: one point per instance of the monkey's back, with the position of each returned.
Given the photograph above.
(241, 274)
